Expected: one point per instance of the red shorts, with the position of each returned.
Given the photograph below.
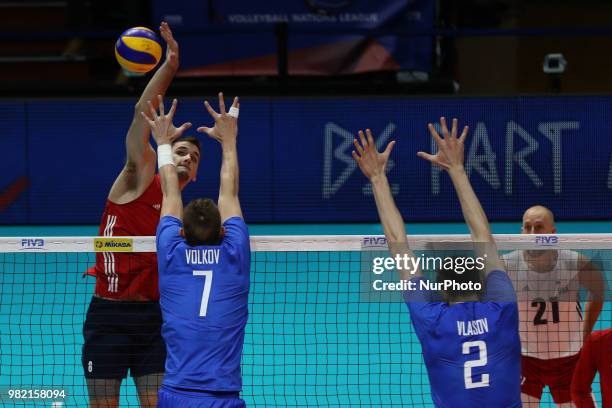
(555, 373)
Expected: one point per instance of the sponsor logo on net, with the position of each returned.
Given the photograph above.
(33, 244)
(113, 245)
(374, 243)
(547, 240)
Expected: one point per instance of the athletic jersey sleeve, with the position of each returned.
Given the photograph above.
(584, 373)
(236, 238)
(168, 236)
(498, 288)
(423, 307)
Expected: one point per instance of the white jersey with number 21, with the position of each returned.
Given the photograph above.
(549, 311)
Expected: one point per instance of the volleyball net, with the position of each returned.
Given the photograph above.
(326, 326)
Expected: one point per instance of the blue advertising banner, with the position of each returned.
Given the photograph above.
(237, 38)
(14, 181)
(295, 157)
(520, 151)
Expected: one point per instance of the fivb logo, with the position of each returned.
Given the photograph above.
(547, 240)
(374, 243)
(342, 154)
(33, 244)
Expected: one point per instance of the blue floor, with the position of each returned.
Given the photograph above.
(313, 339)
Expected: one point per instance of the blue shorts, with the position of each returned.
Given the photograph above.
(172, 397)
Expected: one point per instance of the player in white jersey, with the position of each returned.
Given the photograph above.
(552, 322)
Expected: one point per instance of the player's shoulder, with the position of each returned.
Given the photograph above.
(601, 336)
(497, 306)
(499, 288)
(568, 257)
(514, 256)
(568, 264)
(168, 228)
(169, 220)
(427, 315)
(235, 226)
(235, 221)
(236, 234)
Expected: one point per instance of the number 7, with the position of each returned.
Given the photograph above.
(207, 285)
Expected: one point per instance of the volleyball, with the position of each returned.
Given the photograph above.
(138, 50)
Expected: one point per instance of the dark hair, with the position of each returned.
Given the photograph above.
(202, 222)
(191, 139)
(449, 271)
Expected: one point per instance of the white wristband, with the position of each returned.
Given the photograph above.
(164, 155)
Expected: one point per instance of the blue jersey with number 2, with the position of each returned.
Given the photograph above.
(472, 350)
(204, 300)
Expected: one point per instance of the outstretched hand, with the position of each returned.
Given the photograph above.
(172, 48)
(226, 124)
(450, 148)
(370, 161)
(164, 132)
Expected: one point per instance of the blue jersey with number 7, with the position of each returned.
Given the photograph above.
(204, 301)
(472, 350)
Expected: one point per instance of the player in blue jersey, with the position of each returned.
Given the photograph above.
(470, 341)
(203, 254)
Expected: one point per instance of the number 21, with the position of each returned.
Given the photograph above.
(541, 305)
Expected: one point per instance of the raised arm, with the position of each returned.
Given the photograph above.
(373, 165)
(164, 134)
(225, 131)
(139, 168)
(450, 158)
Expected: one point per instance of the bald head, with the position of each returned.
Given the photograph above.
(538, 220)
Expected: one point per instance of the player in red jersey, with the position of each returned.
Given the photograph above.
(596, 355)
(122, 329)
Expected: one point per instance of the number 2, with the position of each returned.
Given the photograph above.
(207, 285)
(482, 361)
